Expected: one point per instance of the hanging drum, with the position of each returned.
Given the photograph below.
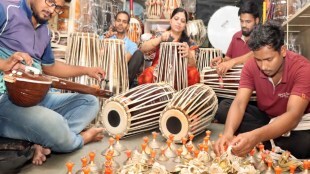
(172, 68)
(135, 26)
(113, 61)
(205, 56)
(190, 111)
(137, 110)
(224, 86)
(197, 31)
(154, 9)
(169, 6)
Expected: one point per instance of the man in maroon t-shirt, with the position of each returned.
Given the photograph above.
(282, 83)
(238, 51)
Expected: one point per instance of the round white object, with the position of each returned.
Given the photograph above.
(223, 24)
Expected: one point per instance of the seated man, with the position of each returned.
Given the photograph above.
(134, 56)
(238, 51)
(281, 80)
(57, 122)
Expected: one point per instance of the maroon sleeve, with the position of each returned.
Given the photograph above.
(302, 81)
(229, 50)
(247, 75)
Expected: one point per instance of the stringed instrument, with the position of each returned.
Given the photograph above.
(28, 87)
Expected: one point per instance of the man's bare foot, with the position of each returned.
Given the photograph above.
(92, 134)
(40, 154)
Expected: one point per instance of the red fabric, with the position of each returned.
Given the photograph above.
(295, 81)
(147, 75)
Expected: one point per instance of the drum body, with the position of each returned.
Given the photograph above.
(197, 31)
(205, 56)
(83, 50)
(225, 86)
(137, 110)
(190, 111)
(172, 68)
(113, 61)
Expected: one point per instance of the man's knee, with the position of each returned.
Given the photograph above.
(138, 56)
(223, 109)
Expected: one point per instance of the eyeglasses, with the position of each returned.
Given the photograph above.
(58, 8)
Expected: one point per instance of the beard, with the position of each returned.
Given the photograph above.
(38, 18)
(246, 33)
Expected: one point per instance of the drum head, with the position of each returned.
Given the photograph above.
(223, 24)
(174, 122)
(114, 118)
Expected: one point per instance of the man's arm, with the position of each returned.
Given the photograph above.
(239, 60)
(236, 111)
(234, 118)
(286, 122)
(245, 142)
(229, 63)
(2, 18)
(63, 70)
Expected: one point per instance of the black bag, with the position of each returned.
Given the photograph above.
(14, 154)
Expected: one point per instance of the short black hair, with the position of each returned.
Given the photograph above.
(270, 33)
(250, 7)
(123, 12)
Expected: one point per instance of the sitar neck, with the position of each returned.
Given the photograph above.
(80, 88)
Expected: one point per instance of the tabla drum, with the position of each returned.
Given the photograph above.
(83, 50)
(171, 68)
(197, 31)
(190, 111)
(136, 110)
(113, 61)
(205, 56)
(224, 86)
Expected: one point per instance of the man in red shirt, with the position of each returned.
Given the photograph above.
(238, 51)
(281, 81)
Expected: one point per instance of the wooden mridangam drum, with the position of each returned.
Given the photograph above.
(137, 110)
(113, 61)
(172, 68)
(191, 110)
(205, 56)
(225, 86)
(197, 31)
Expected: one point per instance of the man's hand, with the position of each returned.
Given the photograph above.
(15, 61)
(95, 72)
(223, 67)
(216, 61)
(221, 144)
(110, 32)
(184, 50)
(244, 143)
